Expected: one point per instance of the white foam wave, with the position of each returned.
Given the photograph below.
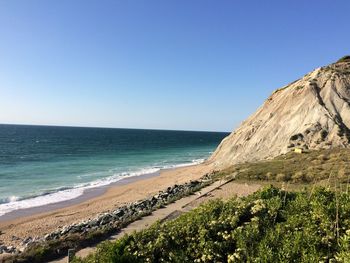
(14, 203)
(40, 200)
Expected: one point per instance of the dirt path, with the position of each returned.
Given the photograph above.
(219, 189)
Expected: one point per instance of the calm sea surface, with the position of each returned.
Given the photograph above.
(41, 165)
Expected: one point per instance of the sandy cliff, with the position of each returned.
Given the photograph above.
(312, 112)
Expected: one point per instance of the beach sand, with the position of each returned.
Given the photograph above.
(13, 231)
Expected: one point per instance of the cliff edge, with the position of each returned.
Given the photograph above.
(310, 113)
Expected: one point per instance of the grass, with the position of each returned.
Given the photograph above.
(321, 167)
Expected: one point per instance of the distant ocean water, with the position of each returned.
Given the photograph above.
(41, 165)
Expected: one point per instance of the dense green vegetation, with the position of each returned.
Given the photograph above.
(271, 225)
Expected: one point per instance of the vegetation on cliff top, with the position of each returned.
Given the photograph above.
(271, 225)
(322, 167)
(344, 59)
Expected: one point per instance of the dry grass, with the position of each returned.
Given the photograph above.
(322, 167)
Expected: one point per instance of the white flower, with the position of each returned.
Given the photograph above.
(259, 205)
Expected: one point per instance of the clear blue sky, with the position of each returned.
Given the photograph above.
(181, 64)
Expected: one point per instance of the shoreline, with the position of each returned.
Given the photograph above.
(132, 189)
(87, 195)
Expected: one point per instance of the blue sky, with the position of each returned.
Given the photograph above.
(184, 64)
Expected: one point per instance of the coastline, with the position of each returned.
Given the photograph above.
(87, 195)
(51, 217)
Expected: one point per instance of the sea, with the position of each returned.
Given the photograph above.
(41, 165)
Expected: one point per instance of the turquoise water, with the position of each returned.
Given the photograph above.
(41, 165)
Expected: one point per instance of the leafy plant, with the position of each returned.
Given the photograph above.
(271, 225)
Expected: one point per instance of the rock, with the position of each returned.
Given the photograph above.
(105, 219)
(9, 249)
(164, 195)
(14, 238)
(74, 229)
(194, 182)
(2, 249)
(92, 223)
(115, 218)
(66, 230)
(119, 212)
(27, 241)
(313, 111)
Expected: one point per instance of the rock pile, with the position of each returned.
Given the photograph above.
(117, 218)
(7, 249)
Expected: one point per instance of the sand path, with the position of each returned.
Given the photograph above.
(219, 189)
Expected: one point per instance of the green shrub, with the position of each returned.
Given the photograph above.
(268, 226)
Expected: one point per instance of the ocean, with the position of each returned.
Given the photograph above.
(41, 165)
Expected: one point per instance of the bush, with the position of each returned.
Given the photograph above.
(269, 226)
(281, 177)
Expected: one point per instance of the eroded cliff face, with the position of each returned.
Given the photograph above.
(312, 113)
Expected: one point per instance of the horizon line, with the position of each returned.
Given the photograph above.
(103, 127)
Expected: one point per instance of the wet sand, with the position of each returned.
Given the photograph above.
(87, 195)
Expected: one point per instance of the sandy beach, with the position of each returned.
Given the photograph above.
(13, 231)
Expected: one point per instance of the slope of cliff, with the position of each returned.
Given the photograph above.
(311, 113)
